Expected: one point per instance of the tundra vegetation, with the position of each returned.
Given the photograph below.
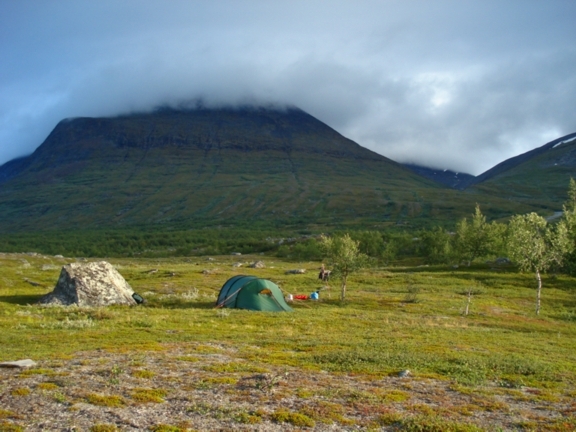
(329, 362)
(454, 320)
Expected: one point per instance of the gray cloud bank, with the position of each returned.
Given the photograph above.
(450, 84)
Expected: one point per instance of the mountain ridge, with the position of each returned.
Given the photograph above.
(462, 181)
(230, 165)
(452, 179)
(223, 164)
(521, 158)
(539, 177)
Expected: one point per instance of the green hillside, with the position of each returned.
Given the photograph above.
(539, 179)
(202, 167)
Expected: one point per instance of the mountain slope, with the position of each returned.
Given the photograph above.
(515, 161)
(448, 178)
(212, 166)
(538, 178)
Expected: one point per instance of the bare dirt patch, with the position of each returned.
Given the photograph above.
(204, 387)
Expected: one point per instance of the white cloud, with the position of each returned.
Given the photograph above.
(453, 83)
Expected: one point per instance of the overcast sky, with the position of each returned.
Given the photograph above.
(451, 84)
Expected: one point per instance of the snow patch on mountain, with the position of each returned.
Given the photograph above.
(564, 142)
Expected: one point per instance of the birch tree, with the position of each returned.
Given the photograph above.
(344, 257)
(536, 246)
(569, 218)
(477, 238)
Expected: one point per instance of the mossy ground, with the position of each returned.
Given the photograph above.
(335, 362)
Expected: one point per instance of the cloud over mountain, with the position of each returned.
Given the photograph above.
(451, 84)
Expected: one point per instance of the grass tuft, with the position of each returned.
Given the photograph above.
(21, 391)
(104, 428)
(47, 386)
(294, 418)
(148, 395)
(111, 401)
(4, 414)
(167, 428)
(144, 374)
(435, 424)
(10, 427)
(235, 367)
(250, 417)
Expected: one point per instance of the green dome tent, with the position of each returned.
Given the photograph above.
(250, 292)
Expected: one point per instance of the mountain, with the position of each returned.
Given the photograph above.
(245, 166)
(539, 177)
(519, 160)
(446, 177)
(210, 166)
(12, 168)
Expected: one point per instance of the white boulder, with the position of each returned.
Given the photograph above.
(90, 284)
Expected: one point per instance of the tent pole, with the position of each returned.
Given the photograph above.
(224, 301)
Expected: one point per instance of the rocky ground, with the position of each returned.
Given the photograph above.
(211, 387)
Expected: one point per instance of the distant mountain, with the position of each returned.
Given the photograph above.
(195, 167)
(539, 177)
(212, 167)
(12, 168)
(448, 178)
(516, 161)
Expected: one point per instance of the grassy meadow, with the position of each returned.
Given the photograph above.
(395, 318)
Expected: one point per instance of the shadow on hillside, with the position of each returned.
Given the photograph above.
(179, 304)
(456, 269)
(564, 284)
(553, 304)
(21, 299)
